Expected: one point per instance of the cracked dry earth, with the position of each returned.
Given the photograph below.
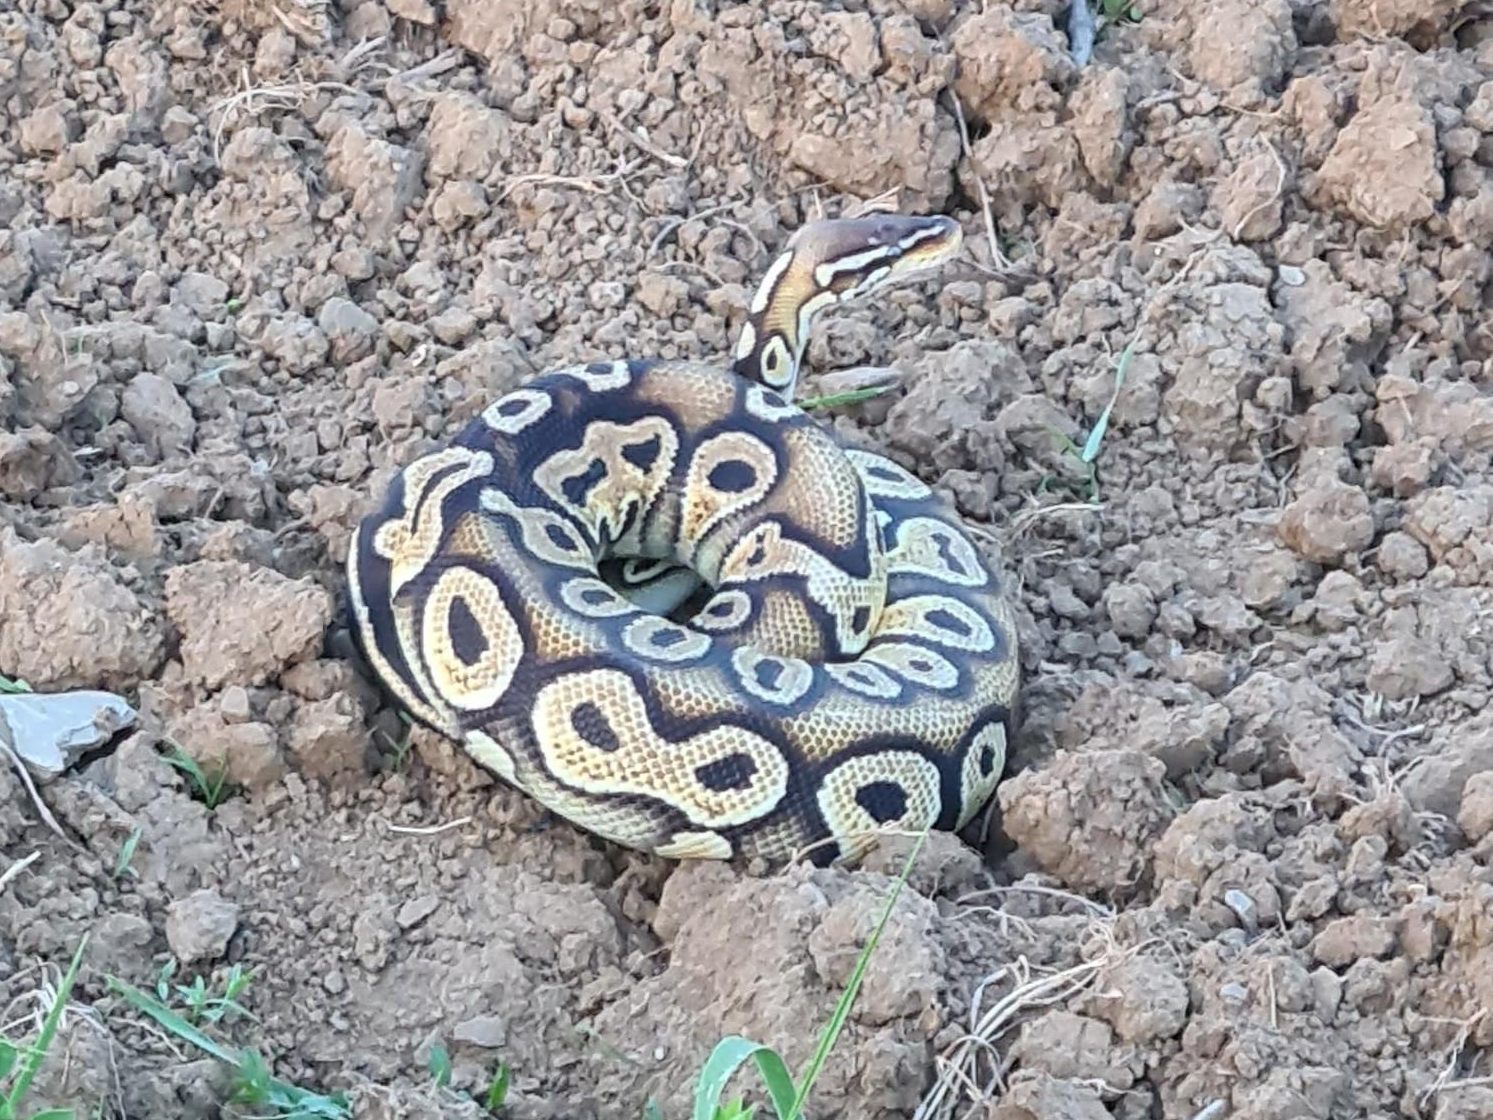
(255, 256)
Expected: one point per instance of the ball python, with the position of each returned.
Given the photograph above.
(677, 611)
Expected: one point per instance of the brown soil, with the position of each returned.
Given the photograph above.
(253, 257)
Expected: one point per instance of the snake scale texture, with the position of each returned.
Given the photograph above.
(665, 602)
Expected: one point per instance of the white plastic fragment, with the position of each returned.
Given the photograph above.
(49, 730)
(1243, 906)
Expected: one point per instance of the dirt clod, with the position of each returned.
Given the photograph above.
(199, 926)
(268, 623)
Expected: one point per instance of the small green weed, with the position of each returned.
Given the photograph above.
(839, 400)
(400, 749)
(127, 853)
(253, 1084)
(733, 1052)
(1087, 455)
(19, 1064)
(497, 1089)
(1115, 11)
(14, 685)
(439, 1063)
(210, 791)
(202, 1005)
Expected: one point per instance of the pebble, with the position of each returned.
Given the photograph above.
(199, 926)
(416, 910)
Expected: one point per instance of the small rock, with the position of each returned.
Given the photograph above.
(487, 1031)
(32, 460)
(1142, 998)
(1328, 522)
(199, 926)
(465, 138)
(661, 294)
(1337, 600)
(295, 342)
(1402, 556)
(1244, 908)
(1131, 608)
(1405, 468)
(1476, 814)
(1267, 580)
(177, 125)
(48, 130)
(416, 910)
(416, 11)
(457, 202)
(164, 422)
(384, 178)
(68, 620)
(1072, 1046)
(354, 263)
(453, 326)
(1404, 666)
(349, 329)
(1350, 939)
(1090, 819)
(327, 738)
(202, 292)
(1383, 169)
(233, 703)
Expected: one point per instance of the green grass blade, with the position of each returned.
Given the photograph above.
(497, 1090)
(1096, 437)
(8, 1057)
(729, 1055)
(55, 1114)
(173, 1022)
(34, 1057)
(850, 396)
(836, 1022)
(255, 1084)
(440, 1065)
(127, 852)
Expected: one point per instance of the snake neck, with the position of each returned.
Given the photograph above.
(771, 345)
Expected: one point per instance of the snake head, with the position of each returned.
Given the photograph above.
(850, 257)
(828, 262)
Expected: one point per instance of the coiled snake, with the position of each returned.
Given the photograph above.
(680, 613)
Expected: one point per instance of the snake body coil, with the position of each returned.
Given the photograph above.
(677, 611)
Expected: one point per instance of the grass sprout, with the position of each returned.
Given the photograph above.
(850, 396)
(439, 1064)
(253, 1084)
(734, 1051)
(497, 1089)
(211, 791)
(1117, 11)
(19, 1064)
(127, 853)
(1087, 456)
(201, 1003)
